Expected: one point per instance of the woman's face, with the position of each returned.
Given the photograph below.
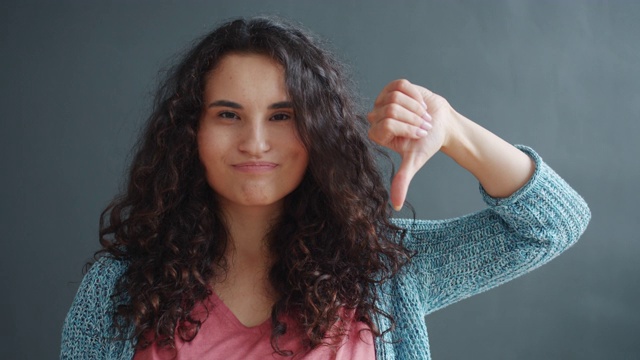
(247, 138)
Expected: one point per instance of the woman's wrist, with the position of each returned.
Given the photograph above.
(457, 144)
(499, 166)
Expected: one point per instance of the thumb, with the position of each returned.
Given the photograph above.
(400, 183)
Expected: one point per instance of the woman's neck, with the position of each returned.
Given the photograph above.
(245, 287)
(248, 228)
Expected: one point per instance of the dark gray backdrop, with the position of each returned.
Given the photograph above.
(561, 76)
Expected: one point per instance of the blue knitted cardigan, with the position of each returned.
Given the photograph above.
(454, 259)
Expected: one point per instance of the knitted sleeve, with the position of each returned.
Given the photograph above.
(460, 257)
(87, 331)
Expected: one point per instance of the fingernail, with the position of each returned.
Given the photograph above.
(427, 116)
(421, 133)
(424, 105)
(397, 207)
(426, 126)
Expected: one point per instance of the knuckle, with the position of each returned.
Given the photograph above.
(394, 96)
(403, 84)
(392, 111)
(387, 125)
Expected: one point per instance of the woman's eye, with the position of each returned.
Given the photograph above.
(228, 115)
(280, 117)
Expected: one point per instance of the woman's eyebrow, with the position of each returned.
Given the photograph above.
(234, 105)
(225, 103)
(281, 105)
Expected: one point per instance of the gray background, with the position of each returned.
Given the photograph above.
(561, 76)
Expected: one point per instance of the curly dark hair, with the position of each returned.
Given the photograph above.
(334, 243)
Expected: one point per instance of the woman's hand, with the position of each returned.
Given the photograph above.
(412, 121)
(416, 123)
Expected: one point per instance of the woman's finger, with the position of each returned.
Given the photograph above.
(386, 130)
(401, 114)
(402, 86)
(399, 95)
(404, 100)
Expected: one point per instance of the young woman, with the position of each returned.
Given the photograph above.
(256, 225)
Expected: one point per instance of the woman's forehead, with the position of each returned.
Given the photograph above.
(249, 77)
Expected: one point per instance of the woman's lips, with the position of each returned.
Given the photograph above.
(255, 167)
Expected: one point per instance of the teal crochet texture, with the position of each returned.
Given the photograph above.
(455, 259)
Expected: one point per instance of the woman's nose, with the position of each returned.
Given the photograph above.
(254, 138)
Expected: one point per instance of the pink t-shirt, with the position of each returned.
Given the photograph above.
(222, 336)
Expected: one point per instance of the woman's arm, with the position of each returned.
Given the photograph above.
(417, 123)
(87, 332)
(461, 257)
(533, 216)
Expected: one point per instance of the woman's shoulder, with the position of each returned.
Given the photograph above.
(88, 323)
(102, 277)
(108, 267)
